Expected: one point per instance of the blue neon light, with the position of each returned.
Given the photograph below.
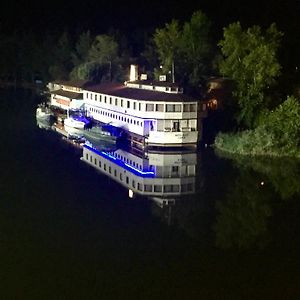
(121, 163)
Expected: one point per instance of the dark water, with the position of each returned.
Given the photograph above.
(70, 232)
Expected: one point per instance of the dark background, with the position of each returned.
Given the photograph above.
(128, 15)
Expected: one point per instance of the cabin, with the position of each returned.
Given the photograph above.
(67, 95)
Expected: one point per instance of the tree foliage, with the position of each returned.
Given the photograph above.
(189, 47)
(278, 134)
(250, 60)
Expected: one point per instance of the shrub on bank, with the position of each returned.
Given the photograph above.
(278, 134)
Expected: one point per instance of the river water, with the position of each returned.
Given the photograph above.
(68, 230)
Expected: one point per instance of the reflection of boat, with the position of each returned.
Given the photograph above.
(43, 124)
(161, 176)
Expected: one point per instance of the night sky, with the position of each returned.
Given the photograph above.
(128, 15)
(99, 16)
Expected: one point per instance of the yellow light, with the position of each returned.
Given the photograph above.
(262, 183)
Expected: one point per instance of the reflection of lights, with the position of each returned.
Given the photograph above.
(130, 193)
(262, 183)
(121, 163)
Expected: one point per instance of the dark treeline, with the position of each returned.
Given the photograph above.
(187, 49)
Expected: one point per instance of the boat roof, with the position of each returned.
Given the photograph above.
(121, 90)
(67, 94)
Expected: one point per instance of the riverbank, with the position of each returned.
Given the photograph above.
(256, 142)
(277, 134)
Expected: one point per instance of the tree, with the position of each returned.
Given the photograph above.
(82, 48)
(249, 58)
(167, 42)
(62, 62)
(103, 54)
(196, 48)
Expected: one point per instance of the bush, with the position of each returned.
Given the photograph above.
(278, 134)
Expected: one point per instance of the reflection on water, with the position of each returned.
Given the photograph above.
(70, 231)
(162, 177)
(244, 215)
(247, 199)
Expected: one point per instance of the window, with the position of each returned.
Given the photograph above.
(121, 176)
(87, 156)
(95, 161)
(134, 105)
(177, 108)
(109, 169)
(148, 188)
(127, 179)
(133, 183)
(159, 107)
(139, 186)
(149, 107)
(104, 99)
(193, 107)
(96, 97)
(116, 101)
(186, 107)
(140, 106)
(110, 100)
(100, 98)
(115, 173)
(157, 188)
(99, 164)
(128, 104)
(104, 167)
(173, 108)
(169, 108)
(121, 102)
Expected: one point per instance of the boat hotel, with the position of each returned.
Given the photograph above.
(150, 114)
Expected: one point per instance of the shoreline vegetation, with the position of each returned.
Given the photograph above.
(277, 134)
